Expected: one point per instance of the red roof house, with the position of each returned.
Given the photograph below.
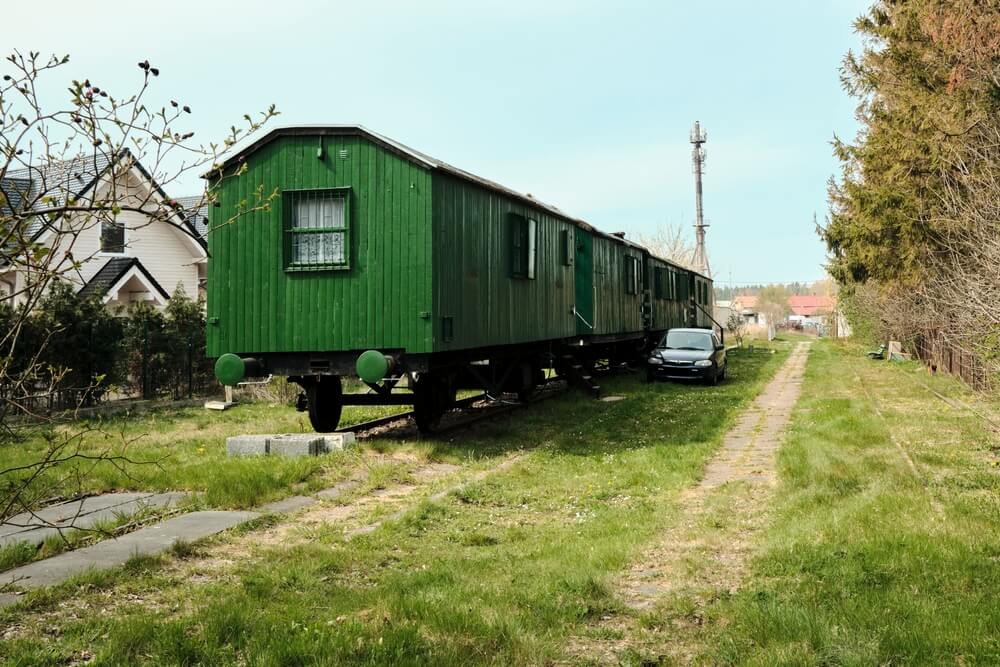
(810, 306)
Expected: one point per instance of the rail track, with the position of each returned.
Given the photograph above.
(465, 412)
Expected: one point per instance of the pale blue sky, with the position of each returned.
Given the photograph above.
(586, 105)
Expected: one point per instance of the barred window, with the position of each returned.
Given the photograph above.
(318, 229)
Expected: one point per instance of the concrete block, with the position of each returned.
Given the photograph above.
(333, 442)
(289, 444)
(247, 445)
(293, 445)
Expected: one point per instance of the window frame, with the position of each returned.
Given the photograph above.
(289, 201)
(567, 247)
(630, 274)
(523, 246)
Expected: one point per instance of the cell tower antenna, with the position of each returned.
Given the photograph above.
(698, 155)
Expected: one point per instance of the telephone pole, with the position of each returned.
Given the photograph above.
(698, 155)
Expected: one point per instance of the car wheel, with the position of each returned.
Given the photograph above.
(722, 376)
(650, 377)
(712, 378)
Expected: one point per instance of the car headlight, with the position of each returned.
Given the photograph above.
(655, 360)
(703, 363)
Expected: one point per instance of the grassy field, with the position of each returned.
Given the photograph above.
(878, 546)
(869, 559)
(185, 449)
(500, 571)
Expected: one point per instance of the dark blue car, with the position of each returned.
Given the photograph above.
(688, 354)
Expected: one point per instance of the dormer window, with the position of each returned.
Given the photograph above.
(112, 237)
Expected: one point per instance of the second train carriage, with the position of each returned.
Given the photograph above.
(378, 261)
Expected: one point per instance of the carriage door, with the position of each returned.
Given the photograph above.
(584, 279)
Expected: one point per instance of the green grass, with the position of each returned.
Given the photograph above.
(858, 566)
(499, 572)
(185, 449)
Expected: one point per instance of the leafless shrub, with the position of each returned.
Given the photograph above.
(44, 210)
(670, 241)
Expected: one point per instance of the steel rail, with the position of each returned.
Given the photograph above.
(498, 407)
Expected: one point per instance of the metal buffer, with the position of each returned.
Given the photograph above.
(698, 156)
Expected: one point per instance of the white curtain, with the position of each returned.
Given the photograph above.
(319, 247)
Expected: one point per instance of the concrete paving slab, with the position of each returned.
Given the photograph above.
(337, 490)
(81, 514)
(286, 505)
(64, 512)
(115, 552)
(7, 599)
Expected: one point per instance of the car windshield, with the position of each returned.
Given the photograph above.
(686, 340)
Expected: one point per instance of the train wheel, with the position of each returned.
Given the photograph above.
(531, 378)
(325, 404)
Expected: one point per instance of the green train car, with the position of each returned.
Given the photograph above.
(380, 262)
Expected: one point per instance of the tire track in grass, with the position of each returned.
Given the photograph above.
(895, 440)
(706, 549)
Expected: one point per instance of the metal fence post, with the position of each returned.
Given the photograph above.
(190, 358)
(145, 358)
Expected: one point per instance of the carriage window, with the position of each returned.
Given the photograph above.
(524, 247)
(317, 231)
(631, 277)
(662, 279)
(567, 247)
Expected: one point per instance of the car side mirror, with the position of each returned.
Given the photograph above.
(720, 347)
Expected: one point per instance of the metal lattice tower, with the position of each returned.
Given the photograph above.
(698, 156)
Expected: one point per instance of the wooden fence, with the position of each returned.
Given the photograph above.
(942, 355)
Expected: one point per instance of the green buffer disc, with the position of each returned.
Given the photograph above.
(372, 366)
(229, 369)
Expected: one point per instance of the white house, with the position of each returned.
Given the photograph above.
(722, 310)
(746, 306)
(124, 257)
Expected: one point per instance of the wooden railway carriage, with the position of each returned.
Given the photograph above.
(378, 261)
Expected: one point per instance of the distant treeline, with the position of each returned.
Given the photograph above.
(818, 288)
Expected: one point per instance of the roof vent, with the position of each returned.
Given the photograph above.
(343, 153)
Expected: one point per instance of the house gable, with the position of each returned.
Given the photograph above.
(171, 252)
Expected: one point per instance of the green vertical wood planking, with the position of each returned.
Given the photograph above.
(472, 282)
(422, 242)
(375, 303)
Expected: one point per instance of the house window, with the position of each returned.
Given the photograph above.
(112, 237)
(524, 247)
(317, 229)
(631, 275)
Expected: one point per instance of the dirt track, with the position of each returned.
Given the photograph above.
(705, 551)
